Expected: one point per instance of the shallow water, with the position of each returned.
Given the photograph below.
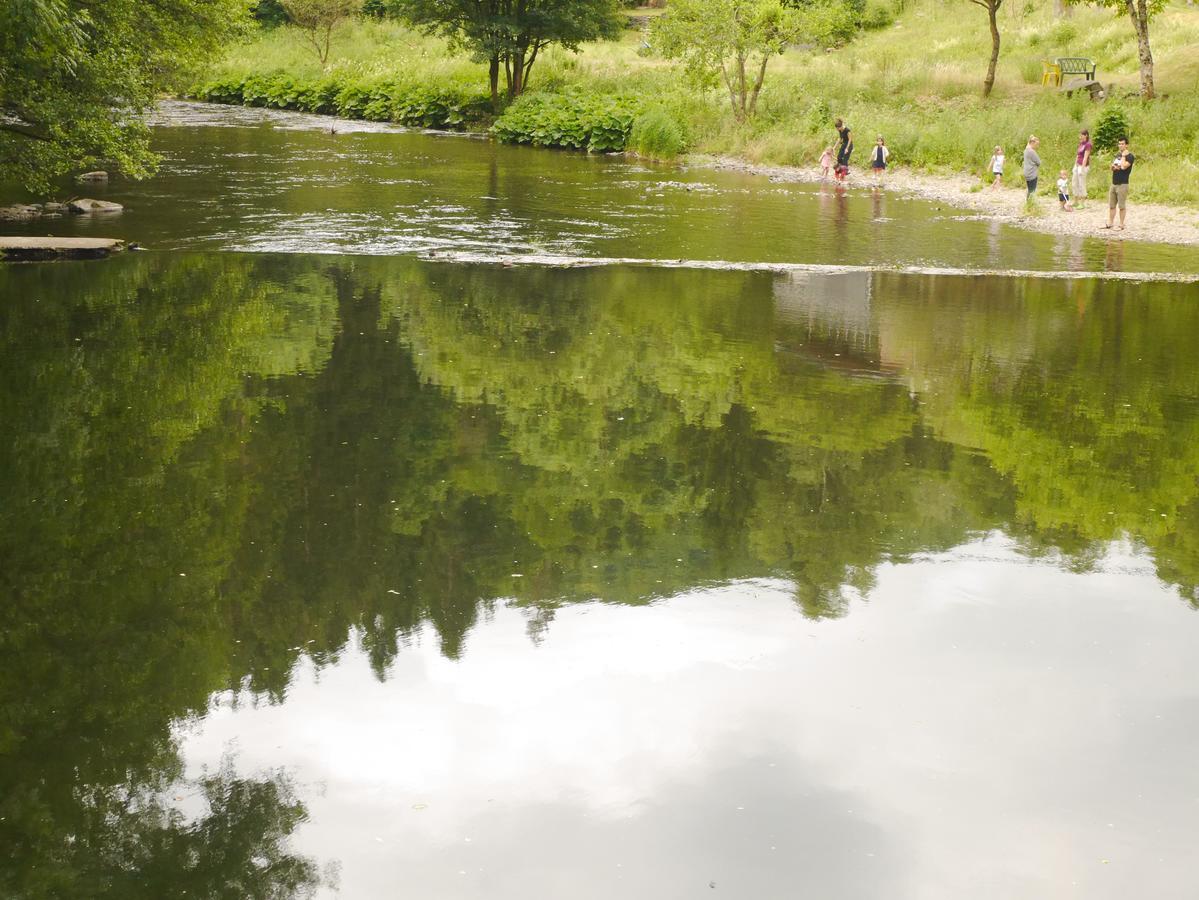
(271, 181)
(371, 575)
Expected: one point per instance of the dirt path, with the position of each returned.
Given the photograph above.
(1146, 221)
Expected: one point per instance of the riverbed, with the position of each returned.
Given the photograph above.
(424, 517)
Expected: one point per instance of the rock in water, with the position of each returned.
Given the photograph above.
(92, 176)
(20, 212)
(85, 205)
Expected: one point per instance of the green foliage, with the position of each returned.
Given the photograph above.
(75, 77)
(1064, 34)
(269, 13)
(1112, 125)
(316, 20)
(819, 116)
(1031, 71)
(599, 123)
(878, 14)
(451, 106)
(510, 34)
(729, 43)
(657, 135)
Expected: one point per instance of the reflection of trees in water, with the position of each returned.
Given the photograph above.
(220, 464)
(119, 513)
(134, 839)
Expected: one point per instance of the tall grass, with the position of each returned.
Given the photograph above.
(917, 81)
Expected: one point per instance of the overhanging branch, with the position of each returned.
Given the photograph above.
(13, 125)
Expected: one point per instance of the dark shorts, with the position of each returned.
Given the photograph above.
(878, 165)
(1063, 198)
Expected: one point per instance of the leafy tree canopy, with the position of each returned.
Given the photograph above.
(75, 77)
(730, 42)
(509, 34)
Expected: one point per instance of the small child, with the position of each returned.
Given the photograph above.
(997, 168)
(826, 163)
(878, 159)
(1063, 190)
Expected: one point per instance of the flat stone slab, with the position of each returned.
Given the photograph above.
(29, 248)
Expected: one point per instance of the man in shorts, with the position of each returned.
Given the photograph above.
(1117, 194)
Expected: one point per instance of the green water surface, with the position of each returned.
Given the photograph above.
(343, 572)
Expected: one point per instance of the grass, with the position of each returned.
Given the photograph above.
(917, 81)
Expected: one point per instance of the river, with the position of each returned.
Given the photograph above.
(343, 557)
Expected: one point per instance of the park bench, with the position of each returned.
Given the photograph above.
(1076, 65)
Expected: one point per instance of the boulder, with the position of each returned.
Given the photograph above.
(85, 205)
(20, 212)
(92, 176)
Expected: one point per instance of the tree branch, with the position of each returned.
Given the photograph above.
(16, 126)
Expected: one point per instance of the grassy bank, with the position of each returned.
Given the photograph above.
(915, 80)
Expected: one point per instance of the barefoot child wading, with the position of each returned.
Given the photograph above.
(826, 163)
(878, 159)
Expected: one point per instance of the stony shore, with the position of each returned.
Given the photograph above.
(1145, 221)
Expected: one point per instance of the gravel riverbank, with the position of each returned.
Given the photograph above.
(1145, 222)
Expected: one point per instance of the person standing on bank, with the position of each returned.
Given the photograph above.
(1117, 194)
(1032, 165)
(844, 149)
(1082, 165)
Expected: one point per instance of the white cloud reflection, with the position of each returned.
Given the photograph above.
(982, 727)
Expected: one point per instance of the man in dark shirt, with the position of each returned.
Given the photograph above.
(1117, 194)
(844, 149)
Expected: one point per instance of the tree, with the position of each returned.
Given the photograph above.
(992, 8)
(1140, 12)
(76, 77)
(510, 34)
(318, 19)
(733, 41)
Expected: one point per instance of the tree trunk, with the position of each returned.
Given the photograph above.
(516, 74)
(524, 81)
(1061, 9)
(724, 73)
(493, 73)
(992, 11)
(742, 90)
(1140, 23)
(753, 99)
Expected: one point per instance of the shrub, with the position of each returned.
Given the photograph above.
(597, 123)
(877, 15)
(656, 134)
(1063, 34)
(1031, 70)
(451, 106)
(820, 116)
(1112, 125)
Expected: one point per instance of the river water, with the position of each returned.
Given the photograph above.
(330, 569)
